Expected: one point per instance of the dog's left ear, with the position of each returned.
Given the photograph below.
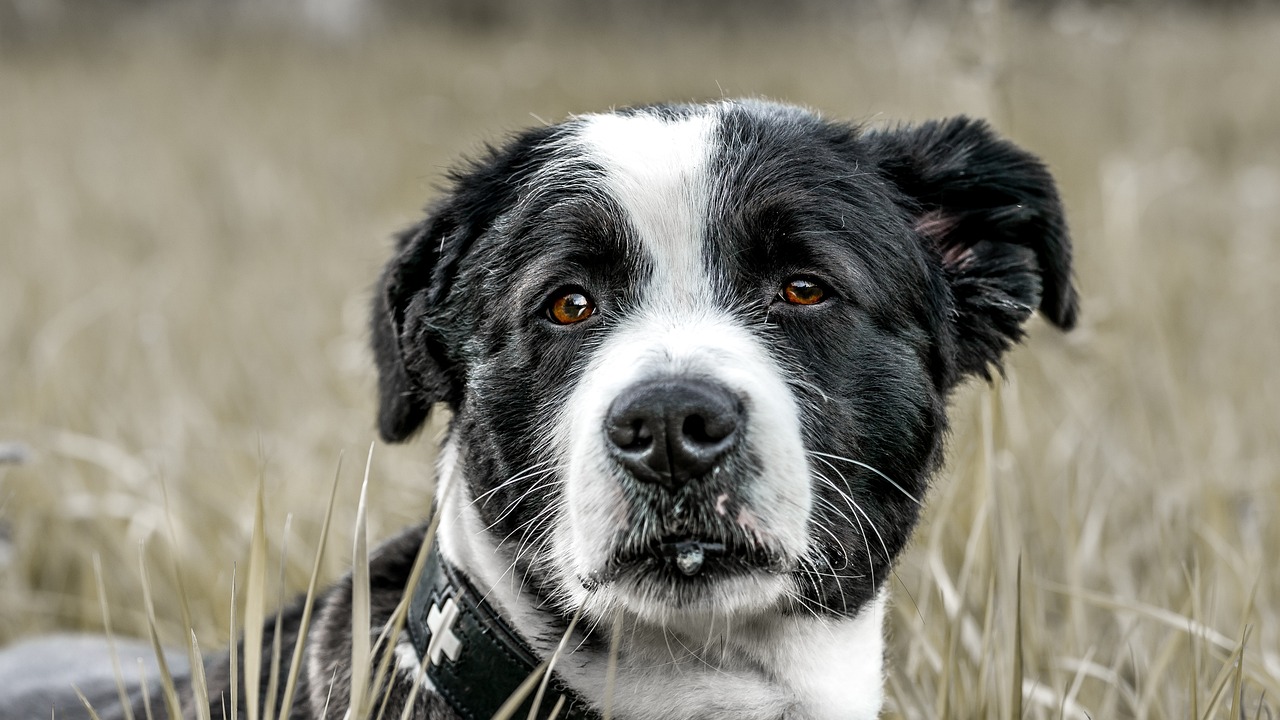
(413, 368)
(414, 335)
(992, 214)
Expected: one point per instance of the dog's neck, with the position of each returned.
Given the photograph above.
(794, 667)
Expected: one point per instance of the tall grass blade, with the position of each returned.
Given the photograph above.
(1017, 645)
(406, 712)
(1237, 690)
(517, 697)
(145, 690)
(85, 701)
(1195, 675)
(988, 629)
(395, 626)
(199, 685)
(167, 687)
(304, 625)
(1233, 669)
(255, 603)
(234, 651)
(1161, 615)
(111, 639)
(551, 665)
(201, 701)
(361, 614)
(273, 673)
(611, 675)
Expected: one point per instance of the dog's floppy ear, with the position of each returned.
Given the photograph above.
(414, 338)
(414, 371)
(991, 212)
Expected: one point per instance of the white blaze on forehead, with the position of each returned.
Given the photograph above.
(656, 169)
(659, 173)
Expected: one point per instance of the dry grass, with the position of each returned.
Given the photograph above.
(189, 223)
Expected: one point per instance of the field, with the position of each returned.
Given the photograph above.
(190, 223)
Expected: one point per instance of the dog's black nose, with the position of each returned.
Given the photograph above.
(671, 431)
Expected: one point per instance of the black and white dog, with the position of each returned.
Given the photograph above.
(698, 360)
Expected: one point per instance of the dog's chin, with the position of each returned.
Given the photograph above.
(689, 577)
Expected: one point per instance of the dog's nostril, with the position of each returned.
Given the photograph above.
(633, 436)
(643, 435)
(698, 430)
(695, 428)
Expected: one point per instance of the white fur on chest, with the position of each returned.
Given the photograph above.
(794, 668)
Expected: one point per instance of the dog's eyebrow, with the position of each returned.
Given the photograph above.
(580, 263)
(805, 245)
(535, 278)
(571, 212)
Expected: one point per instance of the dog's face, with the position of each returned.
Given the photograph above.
(698, 356)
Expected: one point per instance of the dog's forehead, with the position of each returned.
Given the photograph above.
(657, 170)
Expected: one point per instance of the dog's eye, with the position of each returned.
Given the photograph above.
(570, 307)
(803, 291)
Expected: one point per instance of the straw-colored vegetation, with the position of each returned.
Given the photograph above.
(190, 222)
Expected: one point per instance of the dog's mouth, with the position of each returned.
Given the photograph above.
(686, 561)
(690, 553)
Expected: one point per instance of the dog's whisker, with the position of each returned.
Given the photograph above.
(531, 530)
(535, 551)
(688, 652)
(516, 503)
(666, 637)
(858, 509)
(535, 469)
(836, 574)
(529, 526)
(861, 530)
(865, 466)
(805, 604)
(830, 533)
(544, 514)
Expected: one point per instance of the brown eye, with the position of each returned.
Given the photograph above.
(800, 291)
(571, 307)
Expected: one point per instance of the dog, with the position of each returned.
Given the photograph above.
(697, 360)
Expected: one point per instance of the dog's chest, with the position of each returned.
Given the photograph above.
(802, 669)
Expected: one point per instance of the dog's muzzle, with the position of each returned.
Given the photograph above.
(673, 430)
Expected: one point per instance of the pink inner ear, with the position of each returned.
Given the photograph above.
(935, 226)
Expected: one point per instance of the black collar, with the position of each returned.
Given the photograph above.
(478, 661)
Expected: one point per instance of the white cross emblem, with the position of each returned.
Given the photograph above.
(440, 622)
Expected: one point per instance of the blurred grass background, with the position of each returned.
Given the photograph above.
(195, 198)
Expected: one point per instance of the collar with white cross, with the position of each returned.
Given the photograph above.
(475, 660)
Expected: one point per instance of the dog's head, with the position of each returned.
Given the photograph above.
(698, 356)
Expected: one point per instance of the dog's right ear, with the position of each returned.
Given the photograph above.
(991, 213)
(414, 371)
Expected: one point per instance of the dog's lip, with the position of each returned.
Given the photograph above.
(722, 555)
(673, 545)
(670, 546)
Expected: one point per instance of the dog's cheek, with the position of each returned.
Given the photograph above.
(509, 419)
(871, 419)
(864, 390)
